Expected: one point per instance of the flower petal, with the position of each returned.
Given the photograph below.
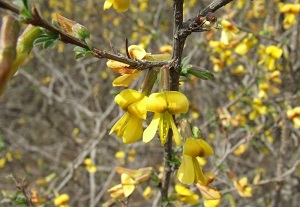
(137, 52)
(139, 108)
(177, 102)
(127, 97)
(126, 79)
(164, 126)
(120, 125)
(186, 173)
(176, 135)
(128, 184)
(133, 131)
(150, 131)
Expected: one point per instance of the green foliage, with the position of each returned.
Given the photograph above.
(47, 39)
(81, 52)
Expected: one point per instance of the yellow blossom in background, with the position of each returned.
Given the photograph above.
(241, 149)
(127, 75)
(2, 162)
(275, 77)
(290, 11)
(218, 64)
(239, 70)
(228, 32)
(166, 49)
(247, 43)
(164, 105)
(62, 200)
(186, 195)
(90, 167)
(123, 156)
(242, 187)
(147, 193)
(129, 126)
(119, 5)
(36, 199)
(190, 170)
(269, 55)
(258, 108)
(294, 115)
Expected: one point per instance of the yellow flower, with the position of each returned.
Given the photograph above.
(129, 126)
(246, 45)
(269, 56)
(290, 11)
(257, 108)
(211, 203)
(242, 187)
(124, 189)
(90, 167)
(62, 200)
(127, 75)
(294, 115)
(190, 170)
(228, 32)
(164, 105)
(119, 5)
(147, 194)
(186, 195)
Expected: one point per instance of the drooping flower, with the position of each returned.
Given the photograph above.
(129, 126)
(164, 105)
(127, 75)
(186, 195)
(190, 170)
(119, 5)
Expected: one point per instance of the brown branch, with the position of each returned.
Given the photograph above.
(37, 20)
(214, 6)
(9, 7)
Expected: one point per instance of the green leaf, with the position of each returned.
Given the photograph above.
(184, 62)
(81, 52)
(200, 73)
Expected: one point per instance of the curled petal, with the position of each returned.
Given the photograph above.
(150, 131)
(197, 147)
(137, 52)
(127, 97)
(157, 103)
(126, 79)
(120, 125)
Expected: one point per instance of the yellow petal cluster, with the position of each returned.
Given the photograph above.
(269, 55)
(190, 170)
(290, 11)
(164, 105)
(228, 32)
(128, 75)
(119, 5)
(129, 126)
(62, 200)
(294, 115)
(242, 187)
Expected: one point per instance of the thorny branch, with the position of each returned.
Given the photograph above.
(181, 30)
(38, 21)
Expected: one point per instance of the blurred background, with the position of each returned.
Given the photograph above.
(57, 111)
